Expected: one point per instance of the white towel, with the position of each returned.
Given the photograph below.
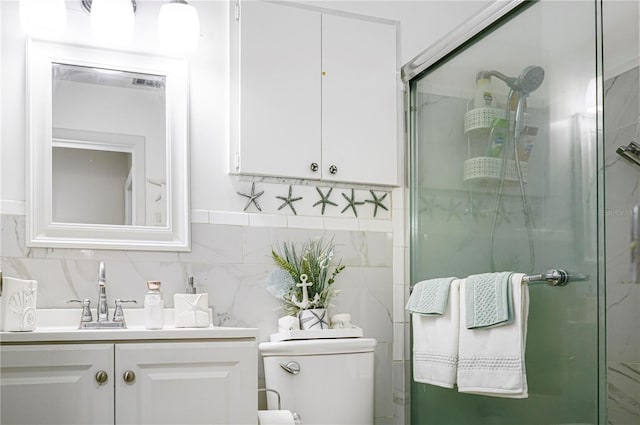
(435, 343)
(491, 360)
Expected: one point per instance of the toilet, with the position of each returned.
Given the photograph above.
(322, 381)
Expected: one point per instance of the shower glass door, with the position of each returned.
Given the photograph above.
(505, 141)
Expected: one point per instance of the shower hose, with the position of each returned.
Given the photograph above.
(513, 135)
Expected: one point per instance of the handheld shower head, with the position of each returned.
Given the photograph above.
(529, 80)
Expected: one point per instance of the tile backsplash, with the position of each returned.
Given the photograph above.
(230, 263)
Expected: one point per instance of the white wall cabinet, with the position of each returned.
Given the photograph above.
(315, 95)
(147, 383)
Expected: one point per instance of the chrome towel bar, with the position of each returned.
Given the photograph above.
(553, 278)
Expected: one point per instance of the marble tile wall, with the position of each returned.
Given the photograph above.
(622, 193)
(229, 262)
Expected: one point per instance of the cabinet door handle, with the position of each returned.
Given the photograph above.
(101, 377)
(314, 166)
(333, 169)
(129, 376)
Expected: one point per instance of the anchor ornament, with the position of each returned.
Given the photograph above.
(305, 303)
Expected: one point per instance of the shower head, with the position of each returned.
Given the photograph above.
(528, 81)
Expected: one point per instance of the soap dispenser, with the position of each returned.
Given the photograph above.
(191, 309)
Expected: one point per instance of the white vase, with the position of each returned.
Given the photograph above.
(314, 318)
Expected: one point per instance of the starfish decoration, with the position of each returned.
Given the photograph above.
(476, 210)
(351, 203)
(429, 204)
(503, 214)
(253, 197)
(324, 199)
(288, 201)
(453, 209)
(377, 202)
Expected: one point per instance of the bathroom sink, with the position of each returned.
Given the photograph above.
(63, 325)
(70, 318)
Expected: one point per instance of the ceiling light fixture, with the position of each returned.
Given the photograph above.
(178, 27)
(112, 21)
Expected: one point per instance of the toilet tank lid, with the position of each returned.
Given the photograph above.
(306, 347)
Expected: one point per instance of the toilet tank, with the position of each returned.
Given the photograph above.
(334, 382)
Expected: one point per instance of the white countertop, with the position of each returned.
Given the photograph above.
(61, 325)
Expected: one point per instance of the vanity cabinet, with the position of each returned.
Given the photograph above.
(191, 382)
(315, 94)
(56, 384)
(186, 383)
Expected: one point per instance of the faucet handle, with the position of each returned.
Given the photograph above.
(118, 314)
(86, 309)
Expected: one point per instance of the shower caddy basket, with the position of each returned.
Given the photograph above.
(483, 170)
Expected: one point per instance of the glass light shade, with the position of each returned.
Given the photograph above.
(112, 21)
(178, 28)
(43, 18)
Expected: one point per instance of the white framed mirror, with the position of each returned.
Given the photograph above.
(107, 149)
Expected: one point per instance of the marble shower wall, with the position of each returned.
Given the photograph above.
(622, 193)
(230, 263)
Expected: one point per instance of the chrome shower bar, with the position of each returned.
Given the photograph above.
(553, 278)
(550, 277)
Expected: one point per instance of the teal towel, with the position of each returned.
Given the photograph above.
(488, 300)
(430, 297)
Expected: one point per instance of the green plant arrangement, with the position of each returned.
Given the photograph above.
(306, 266)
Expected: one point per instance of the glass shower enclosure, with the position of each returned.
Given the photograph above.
(505, 152)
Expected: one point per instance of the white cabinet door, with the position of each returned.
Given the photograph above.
(314, 90)
(279, 82)
(359, 101)
(56, 384)
(187, 383)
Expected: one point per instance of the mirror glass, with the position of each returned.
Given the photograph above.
(108, 148)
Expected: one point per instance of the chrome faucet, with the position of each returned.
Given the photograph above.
(103, 307)
(102, 321)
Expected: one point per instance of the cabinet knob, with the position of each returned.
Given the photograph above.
(333, 169)
(314, 166)
(129, 376)
(101, 377)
